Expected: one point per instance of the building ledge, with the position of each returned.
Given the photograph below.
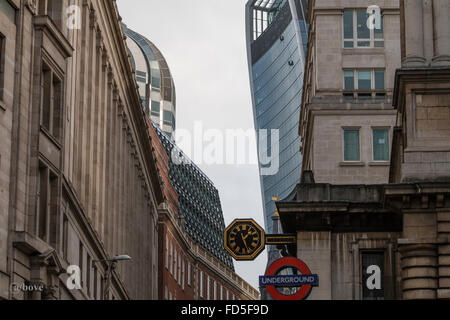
(379, 164)
(352, 164)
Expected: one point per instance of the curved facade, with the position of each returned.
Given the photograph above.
(276, 43)
(156, 86)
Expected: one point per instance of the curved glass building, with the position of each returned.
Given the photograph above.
(156, 86)
(276, 47)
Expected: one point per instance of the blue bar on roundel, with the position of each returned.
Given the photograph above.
(289, 280)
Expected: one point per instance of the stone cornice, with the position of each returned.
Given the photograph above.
(46, 24)
(423, 76)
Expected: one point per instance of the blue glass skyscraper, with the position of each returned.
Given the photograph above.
(276, 47)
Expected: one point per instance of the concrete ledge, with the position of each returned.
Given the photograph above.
(30, 244)
(380, 164)
(352, 164)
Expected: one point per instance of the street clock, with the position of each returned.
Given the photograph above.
(244, 239)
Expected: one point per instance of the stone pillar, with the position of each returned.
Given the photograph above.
(413, 33)
(441, 9)
(314, 248)
(428, 31)
(419, 271)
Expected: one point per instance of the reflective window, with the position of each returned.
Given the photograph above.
(349, 80)
(167, 118)
(381, 145)
(156, 108)
(348, 28)
(364, 80)
(2, 64)
(277, 88)
(379, 80)
(364, 84)
(351, 145)
(357, 32)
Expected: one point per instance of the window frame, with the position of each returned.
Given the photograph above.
(388, 130)
(55, 100)
(343, 143)
(167, 253)
(356, 92)
(2, 64)
(201, 284)
(355, 40)
(189, 274)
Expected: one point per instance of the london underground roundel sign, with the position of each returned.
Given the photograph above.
(306, 280)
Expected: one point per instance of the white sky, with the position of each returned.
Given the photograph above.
(203, 42)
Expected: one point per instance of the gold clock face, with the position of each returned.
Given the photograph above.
(244, 239)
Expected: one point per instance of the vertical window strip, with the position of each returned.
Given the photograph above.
(351, 145)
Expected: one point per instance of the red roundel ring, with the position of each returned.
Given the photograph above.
(289, 262)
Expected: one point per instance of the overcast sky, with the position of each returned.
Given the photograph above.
(203, 42)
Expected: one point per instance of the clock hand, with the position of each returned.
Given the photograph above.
(243, 240)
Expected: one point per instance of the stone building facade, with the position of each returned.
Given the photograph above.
(78, 178)
(348, 89)
(398, 231)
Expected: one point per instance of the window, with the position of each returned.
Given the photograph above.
(2, 64)
(228, 295)
(46, 206)
(81, 263)
(179, 269)
(221, 292)
(170, 258)
(88, 274)
(351, 145)
(189, 274)
(364, 84)
(357, 34)
(166, 293)
(167, 252)
(208, 289)
(175, 268)
(372, 265)
(95, 283)
(65, 243)
(215, 290)
(51, 102)
(201, 284)
(141, 73)
(183, 268)
(380, 144)
(141, 79)
(168, 118)
(156, 109)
